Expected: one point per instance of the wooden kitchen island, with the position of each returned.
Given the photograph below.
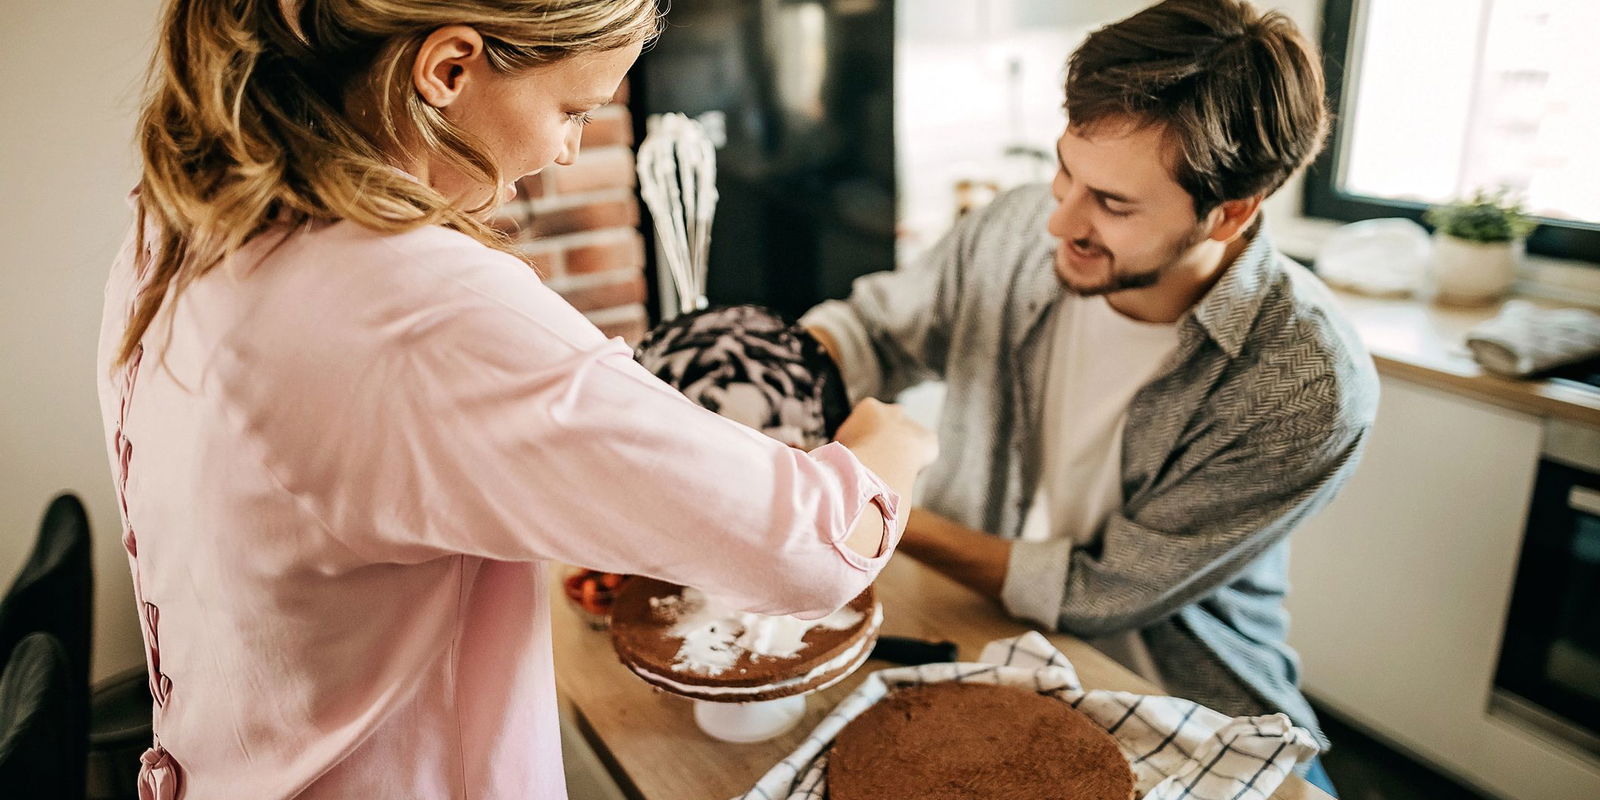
(648, 740)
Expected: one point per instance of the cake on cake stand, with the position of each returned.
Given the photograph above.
(748, 674)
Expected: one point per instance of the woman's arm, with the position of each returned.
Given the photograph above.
(501, 424)
(893, 447)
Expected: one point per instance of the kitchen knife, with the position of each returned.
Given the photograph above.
(909, 651)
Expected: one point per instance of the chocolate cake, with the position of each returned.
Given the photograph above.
(679, 640)
(967, 741)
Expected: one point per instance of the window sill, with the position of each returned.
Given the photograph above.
(1562, 280)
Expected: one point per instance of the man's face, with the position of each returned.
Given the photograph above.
(1123, 220)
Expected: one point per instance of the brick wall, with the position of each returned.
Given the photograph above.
(581, 225)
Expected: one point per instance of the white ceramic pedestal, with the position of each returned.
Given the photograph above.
(749, 722)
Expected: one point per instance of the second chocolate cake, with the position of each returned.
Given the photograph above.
(966, 741)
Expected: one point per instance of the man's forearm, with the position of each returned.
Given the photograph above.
(971, 557)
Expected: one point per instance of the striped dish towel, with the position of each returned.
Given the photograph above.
(1178, 749)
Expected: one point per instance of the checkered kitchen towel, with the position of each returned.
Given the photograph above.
(1178, 749)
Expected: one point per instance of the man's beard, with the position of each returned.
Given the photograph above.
(1121, 282)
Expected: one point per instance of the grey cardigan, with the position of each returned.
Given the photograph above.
(1251, 426)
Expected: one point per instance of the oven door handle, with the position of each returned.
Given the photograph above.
(1584, 499)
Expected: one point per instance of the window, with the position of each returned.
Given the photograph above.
(1436, 98)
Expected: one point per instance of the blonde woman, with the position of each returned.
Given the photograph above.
(348, 425)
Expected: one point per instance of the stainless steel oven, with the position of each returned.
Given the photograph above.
(1549, 672)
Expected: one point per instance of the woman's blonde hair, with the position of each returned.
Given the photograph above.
(245, 125)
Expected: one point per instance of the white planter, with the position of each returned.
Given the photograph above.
(1473, 273)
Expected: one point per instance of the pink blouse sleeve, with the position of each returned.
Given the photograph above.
(500, 423)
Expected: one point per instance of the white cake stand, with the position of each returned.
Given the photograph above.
(761, 720)
(749, 722)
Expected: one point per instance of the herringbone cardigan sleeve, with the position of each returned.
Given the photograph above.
(1198, 528)
(894, 330)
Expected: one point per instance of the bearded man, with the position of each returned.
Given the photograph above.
(1143, 396)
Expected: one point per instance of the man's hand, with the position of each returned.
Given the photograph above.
(971, 557)
(825, 339)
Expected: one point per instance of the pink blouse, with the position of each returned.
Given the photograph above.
(343, 463)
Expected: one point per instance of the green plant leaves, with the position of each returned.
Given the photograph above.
(1487, 216)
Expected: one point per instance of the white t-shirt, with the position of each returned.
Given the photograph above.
(1098, 360)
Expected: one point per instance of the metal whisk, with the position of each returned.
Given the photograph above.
(677, 166)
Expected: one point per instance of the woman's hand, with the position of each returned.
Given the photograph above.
(896, 448)
(889, 436)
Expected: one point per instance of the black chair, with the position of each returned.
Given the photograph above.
(37, 694)
(119, 732)
(54, 593)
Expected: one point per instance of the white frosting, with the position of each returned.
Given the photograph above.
(852, 657)
(715, 636)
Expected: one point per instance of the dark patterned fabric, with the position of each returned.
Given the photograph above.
(750, 364)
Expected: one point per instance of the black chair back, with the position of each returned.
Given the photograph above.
(54, 593)
(36, 736)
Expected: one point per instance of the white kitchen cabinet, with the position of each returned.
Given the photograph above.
(1399, 590)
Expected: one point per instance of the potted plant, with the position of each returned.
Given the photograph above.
(1478, 246)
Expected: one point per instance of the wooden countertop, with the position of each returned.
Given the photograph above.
(1425, 343)
(648, 739)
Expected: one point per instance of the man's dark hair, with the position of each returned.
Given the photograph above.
(1239, 94)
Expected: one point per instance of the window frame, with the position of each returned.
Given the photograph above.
(1324, 199)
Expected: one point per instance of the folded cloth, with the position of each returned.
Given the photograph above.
(1177, 748)
(1524, 340)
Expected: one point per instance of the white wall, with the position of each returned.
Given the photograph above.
(70, 72)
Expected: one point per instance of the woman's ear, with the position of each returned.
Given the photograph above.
(445, 63)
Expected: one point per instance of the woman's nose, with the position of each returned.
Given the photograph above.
(570, 145)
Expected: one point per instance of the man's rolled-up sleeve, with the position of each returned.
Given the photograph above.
(1036, 578)
(893, 331)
